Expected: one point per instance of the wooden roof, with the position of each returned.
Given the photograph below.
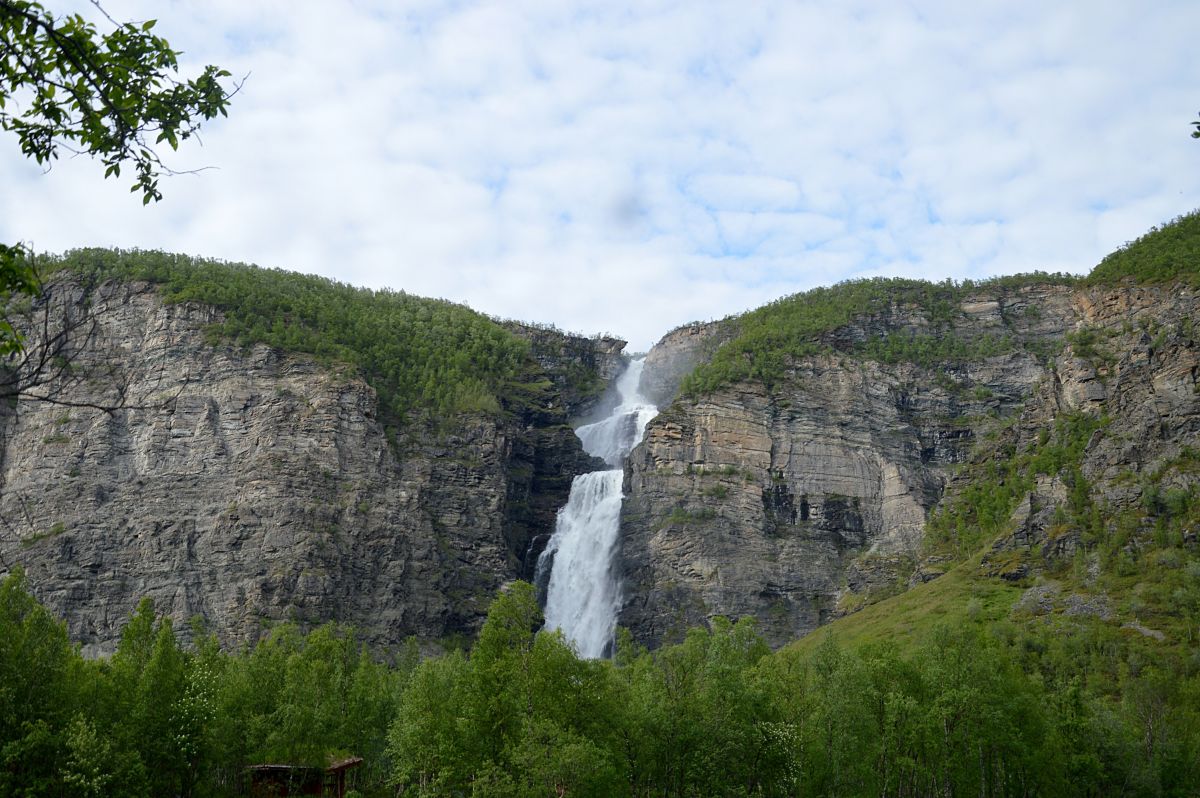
(334, 766)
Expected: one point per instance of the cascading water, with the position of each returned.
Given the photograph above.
(583, 596)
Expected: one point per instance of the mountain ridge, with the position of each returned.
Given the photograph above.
(906, 377)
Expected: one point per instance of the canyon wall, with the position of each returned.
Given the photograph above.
(249, 486)
(246, 486)
(788, 503)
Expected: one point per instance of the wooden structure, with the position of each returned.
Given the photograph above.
(287, 781)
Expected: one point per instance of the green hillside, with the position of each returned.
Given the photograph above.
(425, 357)
(1168, 252)
(769, 338)
(1109, 639)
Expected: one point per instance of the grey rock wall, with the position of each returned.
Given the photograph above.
(249, 487)
(778, 503)
(676, 354)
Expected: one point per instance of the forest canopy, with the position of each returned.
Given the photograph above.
(1168, 252)
(977, 709)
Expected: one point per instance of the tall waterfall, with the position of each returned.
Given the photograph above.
(583, 596)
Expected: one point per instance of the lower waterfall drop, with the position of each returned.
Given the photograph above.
(583, 595)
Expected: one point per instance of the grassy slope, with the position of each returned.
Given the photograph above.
(909, 619)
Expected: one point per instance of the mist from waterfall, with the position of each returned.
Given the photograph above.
(583, 595)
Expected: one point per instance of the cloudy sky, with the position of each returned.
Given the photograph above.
(630, 167)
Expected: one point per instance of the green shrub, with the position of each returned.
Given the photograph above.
(769, 339)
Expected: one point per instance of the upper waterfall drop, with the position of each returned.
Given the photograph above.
(583, 595)
(613, 438)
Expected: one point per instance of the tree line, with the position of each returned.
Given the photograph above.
(1170, 251)
(770, 338)
(979, 710)
(427, 358)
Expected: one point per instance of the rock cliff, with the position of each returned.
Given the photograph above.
(676, 354)
(1132, 370)
(791, 503)
(580, 368)
(248, 486)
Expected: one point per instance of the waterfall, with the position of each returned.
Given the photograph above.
(583, 596)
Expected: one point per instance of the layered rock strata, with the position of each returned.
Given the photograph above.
(252, 486)
(783, 503)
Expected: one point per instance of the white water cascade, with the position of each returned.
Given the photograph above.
(583, 596)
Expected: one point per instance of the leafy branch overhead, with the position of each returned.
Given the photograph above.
(17, 275)
(113, 96)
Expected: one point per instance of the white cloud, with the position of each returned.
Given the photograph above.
(629, 167)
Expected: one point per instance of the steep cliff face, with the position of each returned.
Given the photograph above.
(676, 354)
(788, 503)
(250, 486)
(580, 368)
(1132, 372)
(578, 372)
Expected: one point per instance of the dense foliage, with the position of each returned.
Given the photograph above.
(158, 720)
(980, 710)
(769, 339)
(113, 96)
(1168, 252)
(423, 356)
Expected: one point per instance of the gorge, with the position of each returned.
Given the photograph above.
(811, 459)
(579, 564)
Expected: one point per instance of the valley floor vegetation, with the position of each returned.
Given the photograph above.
(980, 709)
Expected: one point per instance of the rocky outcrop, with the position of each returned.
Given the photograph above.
(677, 354)
(252, 486)
(580, 368)
(1133, 364)
(784, 504)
